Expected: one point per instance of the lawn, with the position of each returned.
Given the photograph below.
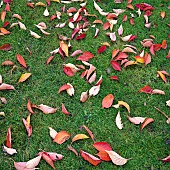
(144, 148)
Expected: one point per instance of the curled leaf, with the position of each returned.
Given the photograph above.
(64, 87)
(61, 137)
(89, 132)
(9, 151)
(122, 103)
(69, 147)
(146, 122)
(84, 96)
(79, 137)
(136, 120)
(64, 110)
(35, 35)
(119, 123)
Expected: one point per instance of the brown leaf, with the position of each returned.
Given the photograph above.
(146, 122)
(61, 137)
(5, 47)
(90, 158)
(107, 101)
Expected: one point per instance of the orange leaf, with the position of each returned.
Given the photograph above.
(90, 158)
(162, 14)
(79, 137)
(107, 101)
(69, 147)
(162, 76)
(7, 63)
(4, 31)
(129, 63)
(164, 44)
(61, 137)
(130, 6)
(3, 15)
(21, 60)
(146, 89)
(89, 132)
(102, 146)
(5, 47)
(140, 59)
(115, 52)
(104, 156)
(24, 77)
(64, 47)
(146, 122)
(147, 58)
(29, 107)
(8, 138)
(27, 125)
(49, 60)
(64, 110)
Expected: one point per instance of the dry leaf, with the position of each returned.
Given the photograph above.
(79, 137)
(7, 63)
(22, 26)
(29, 107)
(35, 35)
(167, 159)
(136, 120)
(146, 122)
(61, 137)
(64, 87)
(89, 132)
(90, 158)
(28, 125)
(104, 156)
(8, 138)
(64, 48)
(102, 146)
(9, 151)
(84, 96)
(107, 101)
(5, 47)
(5, 86)
(168, 103)
(33, 162)
(21, 60)
(69, 147)
(122, 103)
(162, 14)
(94, 90)
(46, 13)
(24, 77)
(119, 123)
(53, 133)
(64, 110)
(70, 90)
(157, 91)
(116, 158)
(46, 109)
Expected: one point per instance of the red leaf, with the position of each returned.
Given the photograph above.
(68, 71)
(146, 122)
(8, 138)
(75, 31)
(102, 146)
(147, 58)
(86, 56)
(106, 26)
(152, 50)
(81, 36)
(49, 60)
(115, 65)
(5, 47)
(64, 87)
(167, 159)
(121, 56)
(114, 78)
(104, 156)
(107, 101)
(6, 24)
(124, 18)
(89, 132)
(132, 21)
(132, 38)
(157, 47)
(30, 4)
(90, 158)
(101, 49)
(7, 1)
(146, 89)
(64, 110)
(29, 107)
(21, 60)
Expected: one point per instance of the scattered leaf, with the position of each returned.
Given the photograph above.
(9, 151)
(64, 110)
(167, 159)
(46, 109)
(79, 137)
(115, 65)
(146, 122)
(61, 137)
(107, 101)
(122, 103)
(69, 147)
(89, 132)
(84, 96)
(5, 86)
(21, 60)
(119, 123)
(102, 146)
(146, 89)
(5, 47)
(136, 120)
(24, 77)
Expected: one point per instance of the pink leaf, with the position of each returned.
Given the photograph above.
(64, 87)
(64, 110)
(167, 159)
(115, 65)
(68, 71)
(86, 56)
(46, 109)
(5, 86)
(77, 52)
(120, 30)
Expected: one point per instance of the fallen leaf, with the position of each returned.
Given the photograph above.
(147, 58)
(64, 110)
(81, 36)
(116, 158)
(168, 103)
(136, 120)
(8, 138)
(86, 56)
(28, 125)
(84, 96)
(64, 87)
(5, 86)
(64, 47)
(7, 63)
(77, 52)
(94, 90)
(115, 65)
(167, 159)
(35, 35)
(146, 89)
(29, 107)
(4, 31)
(115, 52)
(53, 132)
(46, 109)
(114, 78)
(128, 50)
(90, 158)
(89, 132)
(2, 114)
(79, 137)
(146, 122)
(69, 147)
(9, 151)
(102, 146)
(40, 4)
(21, 60)
(122, 103)
(107, 101)
(61, 137)
(70, 91)
(104, 156)
(5, 47)
(33, 162)
(22, 26)
(24, 77)
(17, 16)
(162, 14)
(49, 59)
(3, 15)
(46, 13)
(3, 100)
(120, 30)
(101, 49)
(157, 91)
(119, 123)
(162, 76)
(126, 38)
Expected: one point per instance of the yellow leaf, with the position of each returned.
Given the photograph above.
(29, 119)
(79, 137)
(122, 103)
(64, 47)
(55, 0)
(24, 77)
(40, 4)
(140, 59)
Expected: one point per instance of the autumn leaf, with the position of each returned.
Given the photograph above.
(146, 122)
(107, 101)
(162, 76)
(21, 60)
(29, 107)
(90, 158)
(122, 103)
(24, 77)
(64, 48)
(162, 14)
(119, 123)
(61, 137)
(45, 109)
(9, 151)
(167, 159)
(89, 132)
(28, 125)
(69, 147)
(115, 65)
(102, 146)
(64, 110)
(146, 89)
(116, 158)
(8, 138)
(79, 137)
(81, 36)
(64, 87)
(94, 90)
(136, 120)
(7, 63)
(84, 96)
(5, 86)
(86, 56)
(101, 49)
(35, 35)
(5, 47)
(104, 156)
(53, 133)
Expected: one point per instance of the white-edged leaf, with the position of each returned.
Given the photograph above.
(136, 120)
(33, 162)
(94, 90)
(53, 132)
(119, 123)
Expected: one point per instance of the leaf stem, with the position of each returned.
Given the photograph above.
(162, 112)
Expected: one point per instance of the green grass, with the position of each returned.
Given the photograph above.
(145, 148)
